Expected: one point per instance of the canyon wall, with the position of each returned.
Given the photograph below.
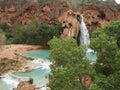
(97, 16)
(25, 12)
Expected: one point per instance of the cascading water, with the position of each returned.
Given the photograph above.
(40, 69)
(8, 82)
(84, 34)
(85, 40)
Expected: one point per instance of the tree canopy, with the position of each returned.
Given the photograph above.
(70, 68)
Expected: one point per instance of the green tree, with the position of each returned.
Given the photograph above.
(104, 42)
(69, 65)
(37, 34)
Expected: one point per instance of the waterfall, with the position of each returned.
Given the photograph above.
(84, 34)
(85, 40)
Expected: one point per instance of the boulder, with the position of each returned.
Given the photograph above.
(25, 85)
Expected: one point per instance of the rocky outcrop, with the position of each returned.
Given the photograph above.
(44, 13)
(25, 85)
(8, 64)
(70, 24)
(24, 12)
(86, 81)
(97, 16)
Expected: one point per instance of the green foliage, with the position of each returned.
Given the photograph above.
(77, 4)
(30, 80)
(2, 63)
(7, 32)
(42, 1)
(37, 34)
(65, 51)
(2, 37)
(74, 4)
(104, 42)
(4, 27)
(69, 65)
(113, 29)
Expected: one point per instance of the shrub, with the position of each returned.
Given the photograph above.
(8, 34)
(30, 80)
(37, 34)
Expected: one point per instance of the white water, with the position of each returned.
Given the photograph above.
(10, 81)
(45, 64)
(84, 34)
(85, 40)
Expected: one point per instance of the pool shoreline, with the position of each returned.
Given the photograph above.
(32, 67)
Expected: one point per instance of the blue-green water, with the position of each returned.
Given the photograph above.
(91, 56)
(45, 53)
(38, 54)
(3, 86)
(39, 75)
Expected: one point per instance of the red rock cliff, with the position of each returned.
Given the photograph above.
(99, 15)
(24, 12)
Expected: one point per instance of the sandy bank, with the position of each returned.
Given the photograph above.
(10, 51)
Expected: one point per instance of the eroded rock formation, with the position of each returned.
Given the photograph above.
(25, 85)
(44, 13)
(70, 24)
(27, 11)
(99, 15)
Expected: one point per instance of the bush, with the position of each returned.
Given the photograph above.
(8, 34)
(30, 80)
(37, 34)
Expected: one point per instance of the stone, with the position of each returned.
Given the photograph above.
(12, 9)
(25, 85)
(70, 24)
(97, 16)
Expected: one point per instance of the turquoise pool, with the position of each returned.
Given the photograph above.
(91, 56)
(39, 75)
(38, 54)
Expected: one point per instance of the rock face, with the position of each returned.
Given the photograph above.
(44, 13)
(24, 12)
(100, 15)
(8, 64)
(25, 86)
(70, 24)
